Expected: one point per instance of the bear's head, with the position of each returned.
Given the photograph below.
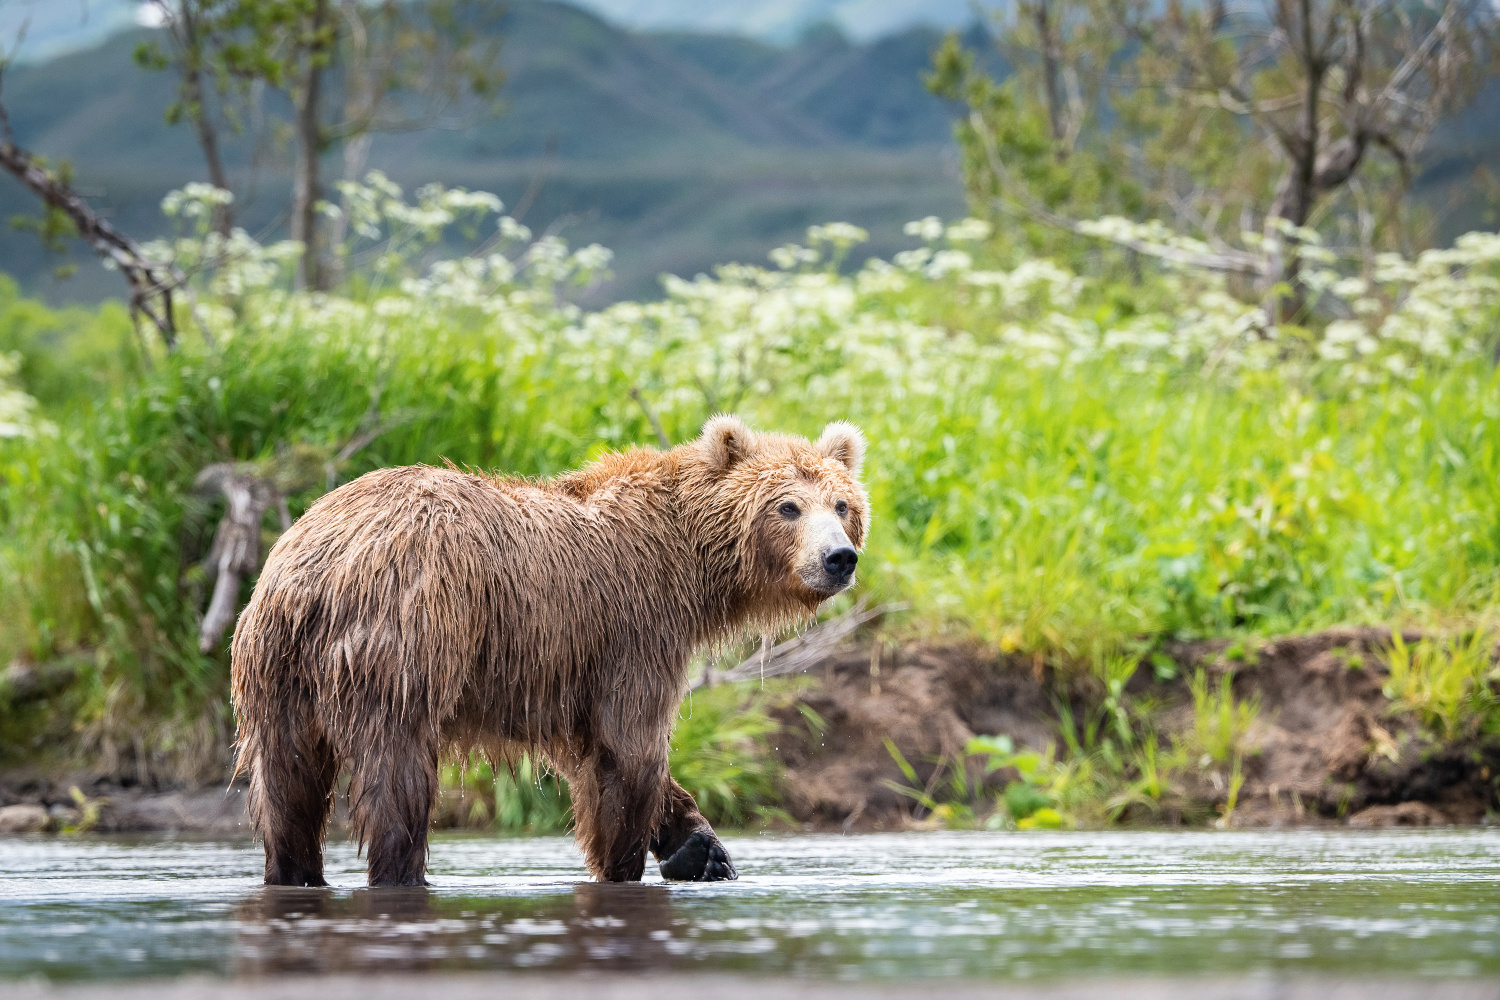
(785, 517)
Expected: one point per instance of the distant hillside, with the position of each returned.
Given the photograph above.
(55, 27)
(784, 20)
(678, 151)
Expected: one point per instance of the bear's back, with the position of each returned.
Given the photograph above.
(462, 559)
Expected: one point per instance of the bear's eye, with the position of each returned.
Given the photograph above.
(789, 510)
(841, 508)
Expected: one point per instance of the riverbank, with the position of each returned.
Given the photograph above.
(1061, 467)
(1298, 730)
(1293, 730)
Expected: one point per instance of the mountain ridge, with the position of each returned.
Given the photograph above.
(625, 129)
(59, 27)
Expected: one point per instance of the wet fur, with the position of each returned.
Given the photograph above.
(417, 612)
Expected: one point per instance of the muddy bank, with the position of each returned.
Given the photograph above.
(32, 803)
(1324, 746)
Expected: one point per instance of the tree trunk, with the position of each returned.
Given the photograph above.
(1051, 51)
(306, 189)
(1292, 205)
(356, 157)
(208, 138)
(1298, 188)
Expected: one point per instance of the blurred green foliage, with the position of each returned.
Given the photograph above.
(719, 753)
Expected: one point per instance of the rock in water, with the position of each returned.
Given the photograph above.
(24, 819)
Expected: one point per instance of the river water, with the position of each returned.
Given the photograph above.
(916, 905)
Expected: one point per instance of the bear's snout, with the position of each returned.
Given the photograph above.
(828, 557)
(839, 563)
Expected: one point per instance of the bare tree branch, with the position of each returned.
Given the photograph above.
(151, 283)
(1229, 261)
(661, 435)
(806, 651)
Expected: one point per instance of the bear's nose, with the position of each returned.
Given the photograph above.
(840, 562)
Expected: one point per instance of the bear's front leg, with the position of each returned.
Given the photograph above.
(685, 844)
(616, 800)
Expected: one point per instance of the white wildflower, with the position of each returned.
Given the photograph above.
(927, 230)
(968, 230)
(512, 231)
(946, 262)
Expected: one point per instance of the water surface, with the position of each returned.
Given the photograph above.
(972, 905)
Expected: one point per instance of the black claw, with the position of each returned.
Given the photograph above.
(701, 859)
(719, 867)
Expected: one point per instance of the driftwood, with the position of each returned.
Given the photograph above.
(249, 489)
(236, 549)
(799, 653)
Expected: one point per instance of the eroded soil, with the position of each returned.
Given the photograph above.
(1324, 748)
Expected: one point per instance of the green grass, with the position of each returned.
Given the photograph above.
(719, 752)
(519, 798)
(1449, 684)
(1221, 725)
(1108, 764)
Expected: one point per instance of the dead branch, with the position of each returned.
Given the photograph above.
(806, 651)
(661, 435)
(151, 283)
(236, 549)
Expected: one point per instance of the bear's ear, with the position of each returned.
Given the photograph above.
(843, 442)
(726, 441)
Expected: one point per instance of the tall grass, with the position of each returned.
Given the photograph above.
(1452, 685)
(718, 752)
(1221, 724)
(523, 797)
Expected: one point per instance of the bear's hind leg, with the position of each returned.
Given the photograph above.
(616, 804)
(291, 795)
(685, 844)
(391, 792)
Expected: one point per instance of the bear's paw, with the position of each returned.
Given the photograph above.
(700, 859)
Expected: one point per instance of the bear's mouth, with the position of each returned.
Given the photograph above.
(824, 585)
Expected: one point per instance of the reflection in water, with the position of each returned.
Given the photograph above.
(286, 930)
(625, 926)
(973, 905)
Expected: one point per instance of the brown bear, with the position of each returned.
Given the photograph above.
(417, 612)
